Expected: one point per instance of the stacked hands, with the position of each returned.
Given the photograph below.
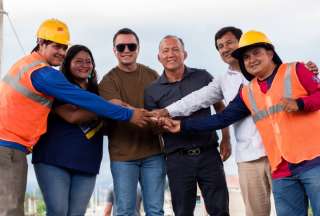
(159, 119)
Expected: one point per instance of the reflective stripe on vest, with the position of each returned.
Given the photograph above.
(14, 82)
(261, 114)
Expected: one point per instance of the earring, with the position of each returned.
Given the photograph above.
(90, 75)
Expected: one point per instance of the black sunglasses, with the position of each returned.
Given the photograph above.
(131, 47)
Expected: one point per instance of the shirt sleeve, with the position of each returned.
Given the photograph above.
(149, 102)
(235, 111)
(53, 83)
(311, 83)
(202, 98)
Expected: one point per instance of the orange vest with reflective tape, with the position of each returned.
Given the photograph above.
(23, 110)
(293, 136)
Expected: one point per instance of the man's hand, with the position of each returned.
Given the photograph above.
(170, 125)
(225, 146)
(311, 66)
(225, 149)
(160, 113)
(289, 105)
(140, 117)
(156, 124)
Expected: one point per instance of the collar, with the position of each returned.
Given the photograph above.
(187, 72)
(233, 72)
(271, 76)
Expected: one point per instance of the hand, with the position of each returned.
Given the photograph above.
(225, 149)
(170, 125)
(289, 105)
(156, 124)
(311, 66)
(160, 113)
(140, 117)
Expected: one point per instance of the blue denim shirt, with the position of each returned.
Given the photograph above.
(162, 93)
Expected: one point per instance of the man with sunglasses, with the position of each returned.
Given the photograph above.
(135, 153)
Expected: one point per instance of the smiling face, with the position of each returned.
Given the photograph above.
(258, 61)
(81, 66)
(171, 54)
(53, 53)
(226, 45)
(126, 57)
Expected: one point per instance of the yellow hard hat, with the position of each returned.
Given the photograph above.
(54, 30)
(251, 38)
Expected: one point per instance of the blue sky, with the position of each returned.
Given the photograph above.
(292, 25)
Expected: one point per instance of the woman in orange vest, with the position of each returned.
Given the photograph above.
(284, 101)
(26, 95)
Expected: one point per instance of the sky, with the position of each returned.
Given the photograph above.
(292, 25)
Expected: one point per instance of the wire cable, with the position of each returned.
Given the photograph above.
(14, 31)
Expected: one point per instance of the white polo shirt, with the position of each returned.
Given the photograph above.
(249, 145)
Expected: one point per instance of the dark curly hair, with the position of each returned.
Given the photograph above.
(65, 67)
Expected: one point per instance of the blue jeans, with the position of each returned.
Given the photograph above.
(291, 194)
(65, 192)
(150, 172)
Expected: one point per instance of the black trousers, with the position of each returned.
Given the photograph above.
(185, 171)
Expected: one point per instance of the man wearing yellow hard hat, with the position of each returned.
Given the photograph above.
(284, 101)
(26, 95)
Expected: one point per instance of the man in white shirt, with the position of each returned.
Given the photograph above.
(253, 166)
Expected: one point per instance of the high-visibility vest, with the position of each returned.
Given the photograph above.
(23, 110)
(293, 136)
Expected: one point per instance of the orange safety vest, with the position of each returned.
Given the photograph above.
(23, 110)
(292, 136)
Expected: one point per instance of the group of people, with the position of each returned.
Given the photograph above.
(283, 101)
(158, 126)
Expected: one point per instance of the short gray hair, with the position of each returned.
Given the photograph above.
(172, 36)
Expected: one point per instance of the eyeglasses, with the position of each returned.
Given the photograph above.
(131, 47)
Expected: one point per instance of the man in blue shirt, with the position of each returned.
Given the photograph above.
(191, 157)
